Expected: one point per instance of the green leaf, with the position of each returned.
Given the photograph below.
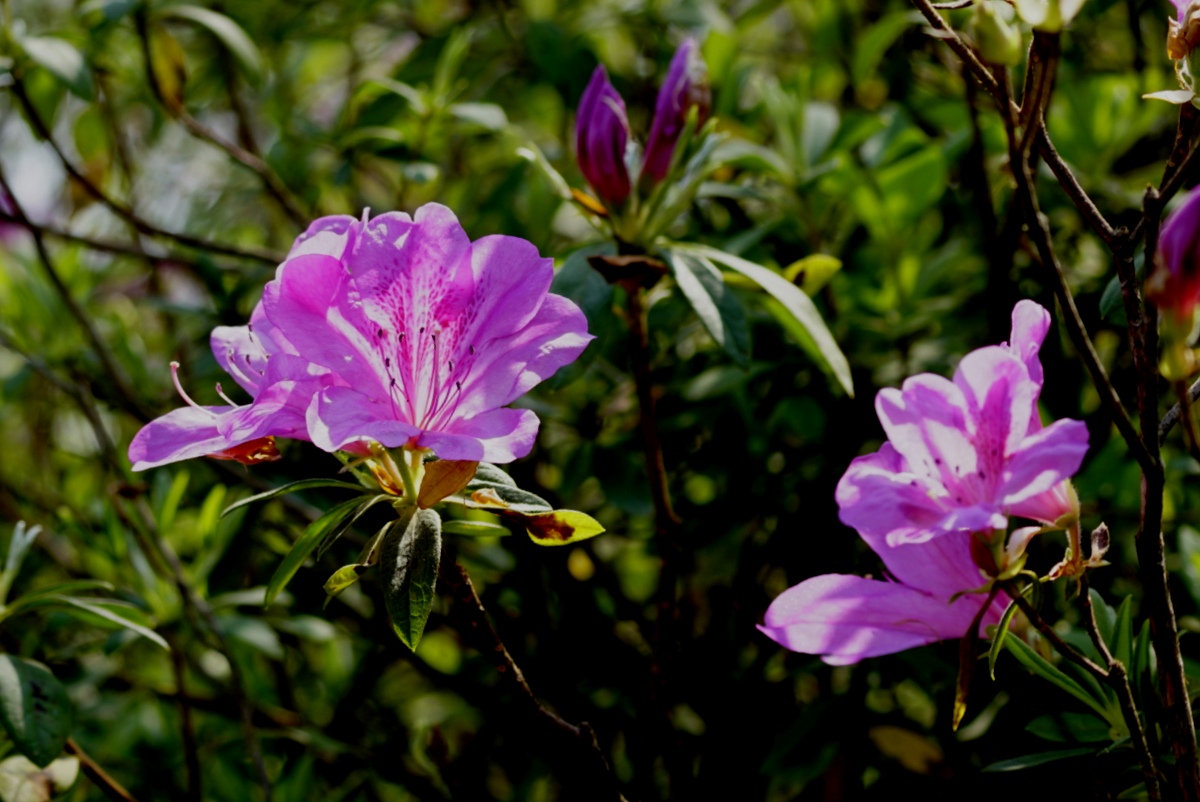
(1066, 727)
(409, 561)
(231, 35)
(715, 304)
(449, 62)
(343, 578)
(18, 546)
(1000, 636)
(34, 708)
(869, 48)
(488, 475)
(64, 61)
(291, 487)
(100, 612)
(487, 116)
(812, 272)
(1038, 665)
(1041, 758)
(811, 330)
(560, 527)
(482, 494)
(347, 575)
(329, 525)
(474, 529)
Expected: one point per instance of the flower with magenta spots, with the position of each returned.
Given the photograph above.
(963, 455)
(429, 334)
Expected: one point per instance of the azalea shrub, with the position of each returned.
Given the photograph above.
(564, 400)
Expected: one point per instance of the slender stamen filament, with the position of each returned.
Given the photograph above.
(184, 395)
(228, 400)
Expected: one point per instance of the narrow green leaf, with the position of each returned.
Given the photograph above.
(1000, 636)
(1038, 665)
(347, 575)
(64, 61)
(231, 35)
(814, 335)
(1041, 758)
(291, 487)
(317, 531)
(34, 708)
(409, 561)
(714, 303)
(487, 116)
(1068, 727)
(474, 529)
(18, 546)
(488, 474)
(483, 495)
(103, 612)
(343, 578)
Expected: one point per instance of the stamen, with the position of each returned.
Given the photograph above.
(182, 394)
(228, 400)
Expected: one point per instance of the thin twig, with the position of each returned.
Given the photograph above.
(77, 393)
(111, 788)
(105, 245)
(115, 374)
(1071, 186)
(187, 731)
(1039, 232)
(117, 207)
(1151, 548)
(590, 771)
(271, 182)
(1118, 679)
(1173, 414)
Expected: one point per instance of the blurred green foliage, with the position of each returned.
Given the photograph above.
(857, 138)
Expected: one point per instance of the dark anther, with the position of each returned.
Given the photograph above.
(379, 333)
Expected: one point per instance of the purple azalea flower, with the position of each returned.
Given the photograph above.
(1174, 283)
(963, 455)
(430, 334)
(601, 135)
(686, 86)
(266, 365)
(846, 618)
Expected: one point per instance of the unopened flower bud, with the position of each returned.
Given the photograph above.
(998, 41)
(1174, 282)
(686, 86)
(601, 135)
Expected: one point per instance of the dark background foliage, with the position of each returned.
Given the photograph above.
(874, 151)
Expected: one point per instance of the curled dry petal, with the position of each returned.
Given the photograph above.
(601, 137)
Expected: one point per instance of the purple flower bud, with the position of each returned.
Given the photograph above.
(601, 134)
(1174, 283)
(686, 86)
